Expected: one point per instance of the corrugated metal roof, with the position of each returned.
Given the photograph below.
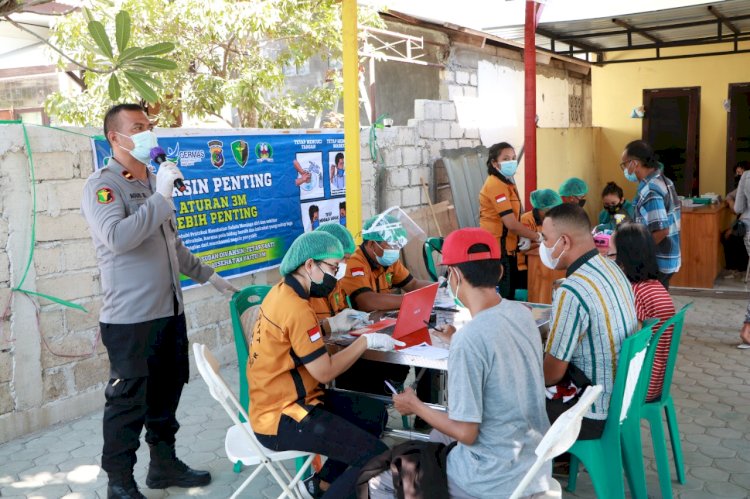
(693, 25)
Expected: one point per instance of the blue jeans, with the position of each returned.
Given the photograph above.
(346, 428)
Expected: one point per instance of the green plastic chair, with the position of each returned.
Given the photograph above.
(431, 245)
(652, 412)
(603, 457)
(241, 301)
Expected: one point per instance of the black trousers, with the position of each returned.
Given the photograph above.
(591, 429)
(510, 281)
(346, 428)
(735, 253)
(148, 369)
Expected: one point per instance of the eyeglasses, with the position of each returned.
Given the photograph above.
(331, 266)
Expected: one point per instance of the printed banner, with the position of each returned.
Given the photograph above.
(249, 196)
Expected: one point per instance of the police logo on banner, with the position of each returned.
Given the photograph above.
(216, 148)
(240, 151)
(264, 152)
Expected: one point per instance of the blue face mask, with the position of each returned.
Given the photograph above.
(390, 256)
(143, 142)
(630, 176)
(342, 221)
(315, 224)
(508, 168)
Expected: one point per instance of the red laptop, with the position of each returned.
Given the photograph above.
(411, 324)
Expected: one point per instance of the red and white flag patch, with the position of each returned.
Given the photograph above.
(501, 198)
(314, 334)
(358, 272)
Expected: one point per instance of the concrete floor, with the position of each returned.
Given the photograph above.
(710, 388)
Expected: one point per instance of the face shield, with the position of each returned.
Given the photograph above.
(394, 228)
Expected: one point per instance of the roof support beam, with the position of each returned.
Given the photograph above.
(554, 37)
(721, 17)
(639, 31)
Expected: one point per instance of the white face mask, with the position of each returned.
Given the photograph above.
(455, 295)
(545, 255)
(341, 272)
(143, 142)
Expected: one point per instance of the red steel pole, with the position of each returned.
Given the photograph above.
(529, 62)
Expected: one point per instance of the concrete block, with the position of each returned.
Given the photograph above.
(70, 286)
(52, 197)
(468, 143)
(69, 225)
(392, 156)
(79, 255)
(6, 400)
(59, 165)
(470, 92)
(447, 75)
(411, 196)
(418, 174)
(462, 77)
(419, 109)
(206, 336)
(55, 384)
(471, 133)
(450, 144)
(455, 92)
(91, 372)
(393, 198)
(448, 111)
(412, 122)
(6, 365)
(51, 323)
(442, 130)
(473, 79)
(407, 135)
(457, 131)
(207, 312)
(225, 333)
(367, 170)
(432, 110)
(426, 156)
(3, 232)
(4, 267)
(426, 129)
(76, 320)
(411, 156)
(398, 178)
(435, 147)
(48, 260)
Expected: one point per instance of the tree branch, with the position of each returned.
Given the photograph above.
(222, 119)
(46, 42)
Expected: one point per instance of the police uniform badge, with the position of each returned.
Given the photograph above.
(105, 195)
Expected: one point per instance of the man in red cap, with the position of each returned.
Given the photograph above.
(496, 408)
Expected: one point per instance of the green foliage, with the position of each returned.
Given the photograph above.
(201, 57)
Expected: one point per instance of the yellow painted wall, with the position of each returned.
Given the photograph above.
(570, 152)
(617, 88)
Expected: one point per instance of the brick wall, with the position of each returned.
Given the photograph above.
(407, 154)
(54, 369)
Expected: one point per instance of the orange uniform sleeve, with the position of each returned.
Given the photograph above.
(401, 275)
(305, 335)
(500, 194)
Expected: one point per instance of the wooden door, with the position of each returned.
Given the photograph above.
(671, 126)
(738, 129)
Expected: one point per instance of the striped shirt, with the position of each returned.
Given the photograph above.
(658, 207)
(592, 312)
(652, 301)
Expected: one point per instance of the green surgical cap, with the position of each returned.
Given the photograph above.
(341, 234)
(544, 199)
(316, 245)
(393, 232)
(573, 187)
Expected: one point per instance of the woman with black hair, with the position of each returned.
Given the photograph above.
(635, 254)
(616, 209)
(656, 205)
(500, 212)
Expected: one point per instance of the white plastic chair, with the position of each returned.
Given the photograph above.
(240, 443)
(560, 437)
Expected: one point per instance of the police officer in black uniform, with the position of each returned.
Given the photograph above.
(131, 216)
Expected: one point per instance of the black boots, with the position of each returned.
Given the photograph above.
(165, 470)
(122, 486)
